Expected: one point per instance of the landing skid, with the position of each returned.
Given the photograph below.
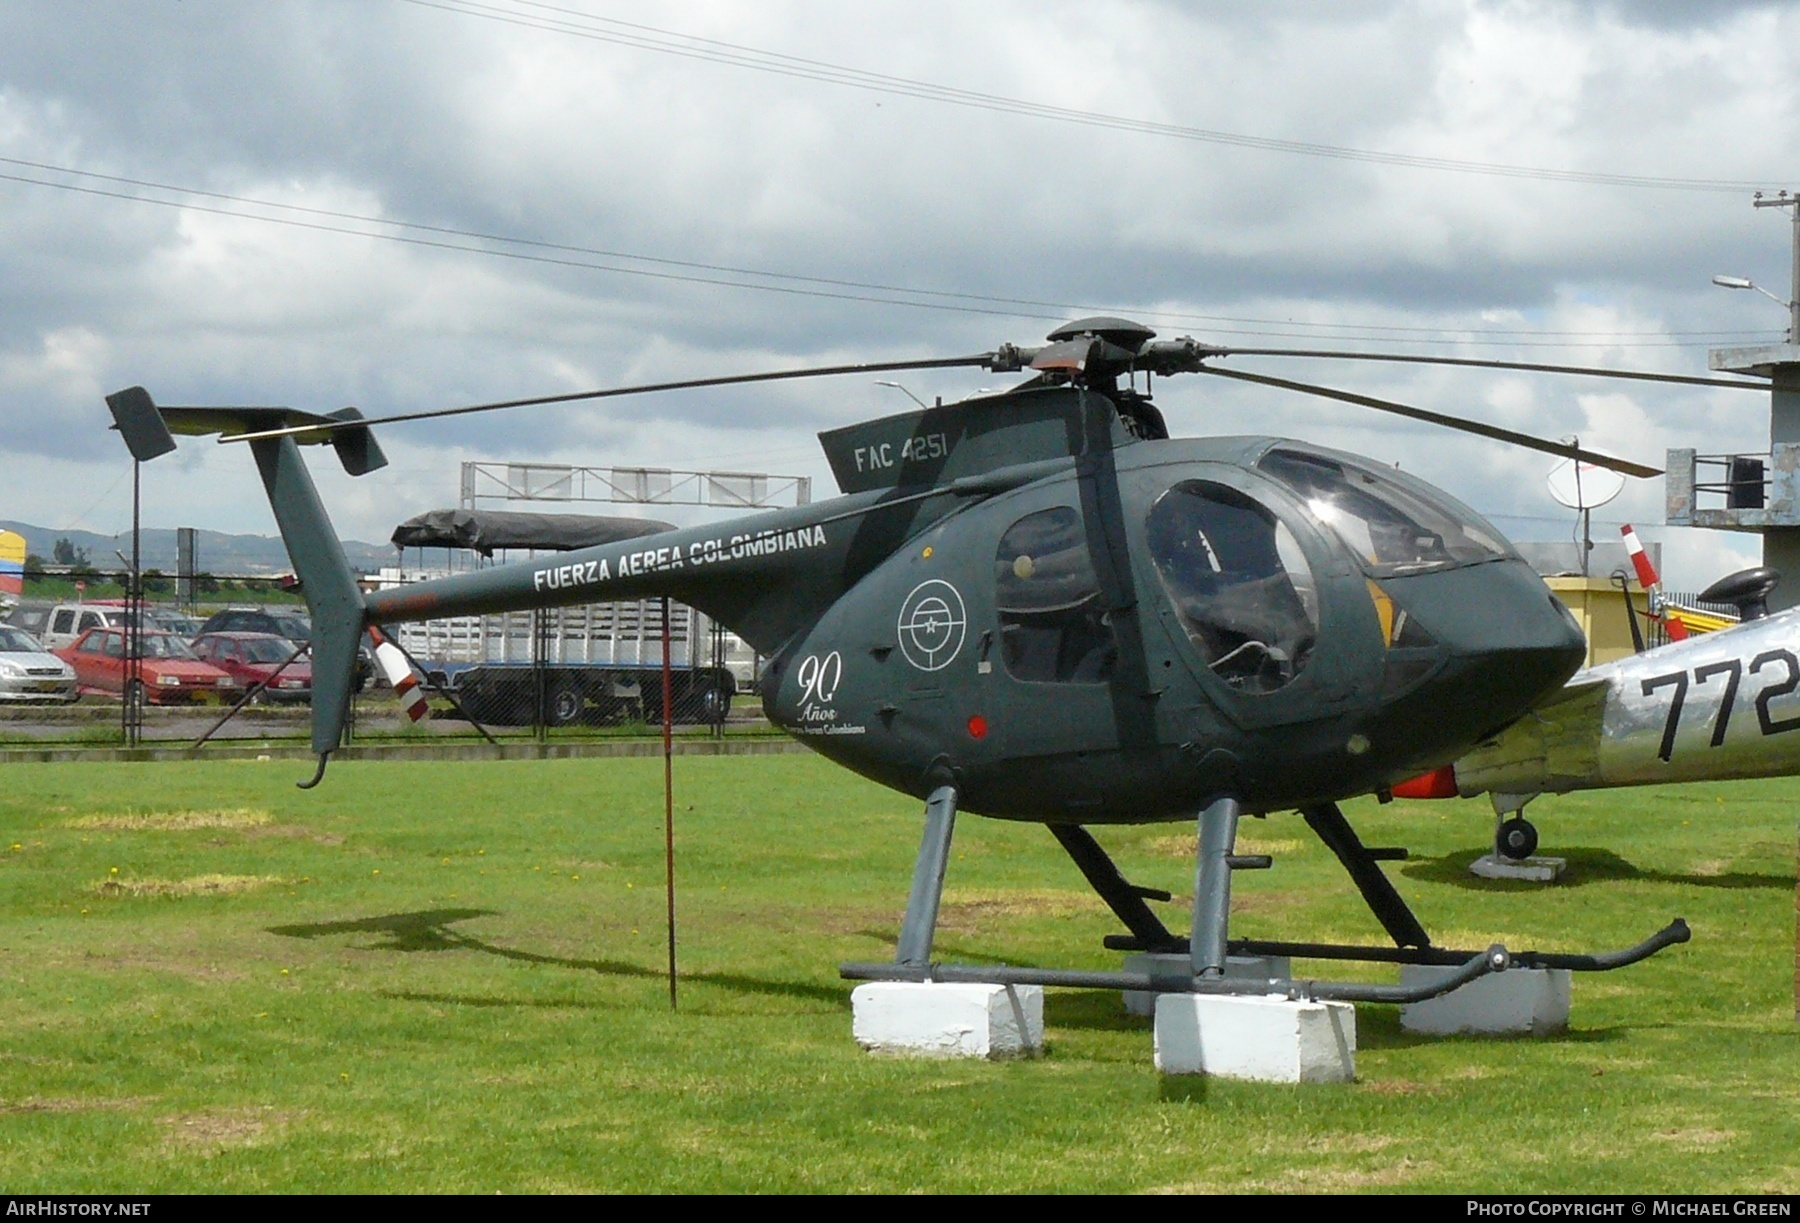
(1207, 946)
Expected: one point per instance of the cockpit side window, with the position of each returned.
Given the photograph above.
(1392, 528)
(1052, 628)
(1240, 582)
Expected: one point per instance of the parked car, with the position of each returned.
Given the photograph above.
(289, 624)
(67, 621)
(172, 621)
(32, 617)
(28, 672)
(170, 672)
(257, 658)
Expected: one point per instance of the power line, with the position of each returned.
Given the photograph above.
(558, 20)
(795, 284)
(1063, 307)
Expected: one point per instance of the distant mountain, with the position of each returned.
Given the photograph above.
(260, 555)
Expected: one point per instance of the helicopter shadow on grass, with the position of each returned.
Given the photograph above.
(430, 930)
(1586, 864)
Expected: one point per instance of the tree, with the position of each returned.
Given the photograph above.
(156, 581)
(66, 553)
(34, 565)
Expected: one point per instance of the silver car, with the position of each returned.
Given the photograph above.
(28, 673)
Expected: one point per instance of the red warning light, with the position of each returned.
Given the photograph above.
(977, 727)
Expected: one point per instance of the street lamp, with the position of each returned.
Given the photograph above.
(903, 390)
(1780, 200)
(1744, 282)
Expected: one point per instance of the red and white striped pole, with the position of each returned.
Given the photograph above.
(1646, 576)
(399, 673)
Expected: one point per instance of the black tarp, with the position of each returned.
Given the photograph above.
(486, 531)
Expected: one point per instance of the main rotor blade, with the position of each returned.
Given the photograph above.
(1592, 371)
(1564, 449)
(817, 371)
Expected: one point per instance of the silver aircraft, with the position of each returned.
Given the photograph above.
(1715, 707)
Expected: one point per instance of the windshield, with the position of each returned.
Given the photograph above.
(293, 628)
(165, 645)
(265, 650)
(15, 641)
(175, 622)
(1392, 526)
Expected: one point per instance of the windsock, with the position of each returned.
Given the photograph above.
(399, 673)
(1646, 576)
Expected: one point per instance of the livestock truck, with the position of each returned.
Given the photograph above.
(594, 663)
(601, 662)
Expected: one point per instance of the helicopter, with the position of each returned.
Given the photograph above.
(1036, 605)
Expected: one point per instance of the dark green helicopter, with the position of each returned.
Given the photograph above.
(1035, 605)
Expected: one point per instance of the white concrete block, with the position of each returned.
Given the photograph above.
(1242, 967)
(1266, 1039)
(1532, 870)
(939, 1019)
(1517, 1000)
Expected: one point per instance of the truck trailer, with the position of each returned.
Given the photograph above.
(595, 663)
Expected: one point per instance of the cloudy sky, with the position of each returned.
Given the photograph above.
(405, 204)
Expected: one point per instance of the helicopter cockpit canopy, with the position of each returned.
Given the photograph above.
(1391, 526)
(1240, 582)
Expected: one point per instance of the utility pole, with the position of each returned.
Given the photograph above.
(1762, 491)
(1784, 200)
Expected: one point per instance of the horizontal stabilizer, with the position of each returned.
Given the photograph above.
(356, 449)
(136, 418)
(147, 427)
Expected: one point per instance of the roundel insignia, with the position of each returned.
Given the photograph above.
(933, 623)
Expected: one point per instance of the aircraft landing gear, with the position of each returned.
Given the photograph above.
(1516, 838)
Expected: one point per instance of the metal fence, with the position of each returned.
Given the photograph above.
(572, 673)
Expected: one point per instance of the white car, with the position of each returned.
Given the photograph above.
(29, 673)
(70, 620)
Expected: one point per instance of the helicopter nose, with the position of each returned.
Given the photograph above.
(1510, 641)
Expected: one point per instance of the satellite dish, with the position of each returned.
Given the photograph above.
(1582, 485)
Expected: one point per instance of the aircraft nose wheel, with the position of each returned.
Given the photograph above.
(1516, 838)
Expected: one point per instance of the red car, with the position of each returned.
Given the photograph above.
(171, 674)
(253, 658)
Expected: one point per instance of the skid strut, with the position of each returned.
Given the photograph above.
(1124, 898)
(919, 927)
(1363, 864)
(1208, 945)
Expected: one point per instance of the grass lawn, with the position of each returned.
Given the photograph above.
(448, 977)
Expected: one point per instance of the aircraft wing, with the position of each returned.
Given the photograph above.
(1555, 747)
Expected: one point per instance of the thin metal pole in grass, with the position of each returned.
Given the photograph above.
(668, 721)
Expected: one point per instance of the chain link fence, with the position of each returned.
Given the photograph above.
(232, 667)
